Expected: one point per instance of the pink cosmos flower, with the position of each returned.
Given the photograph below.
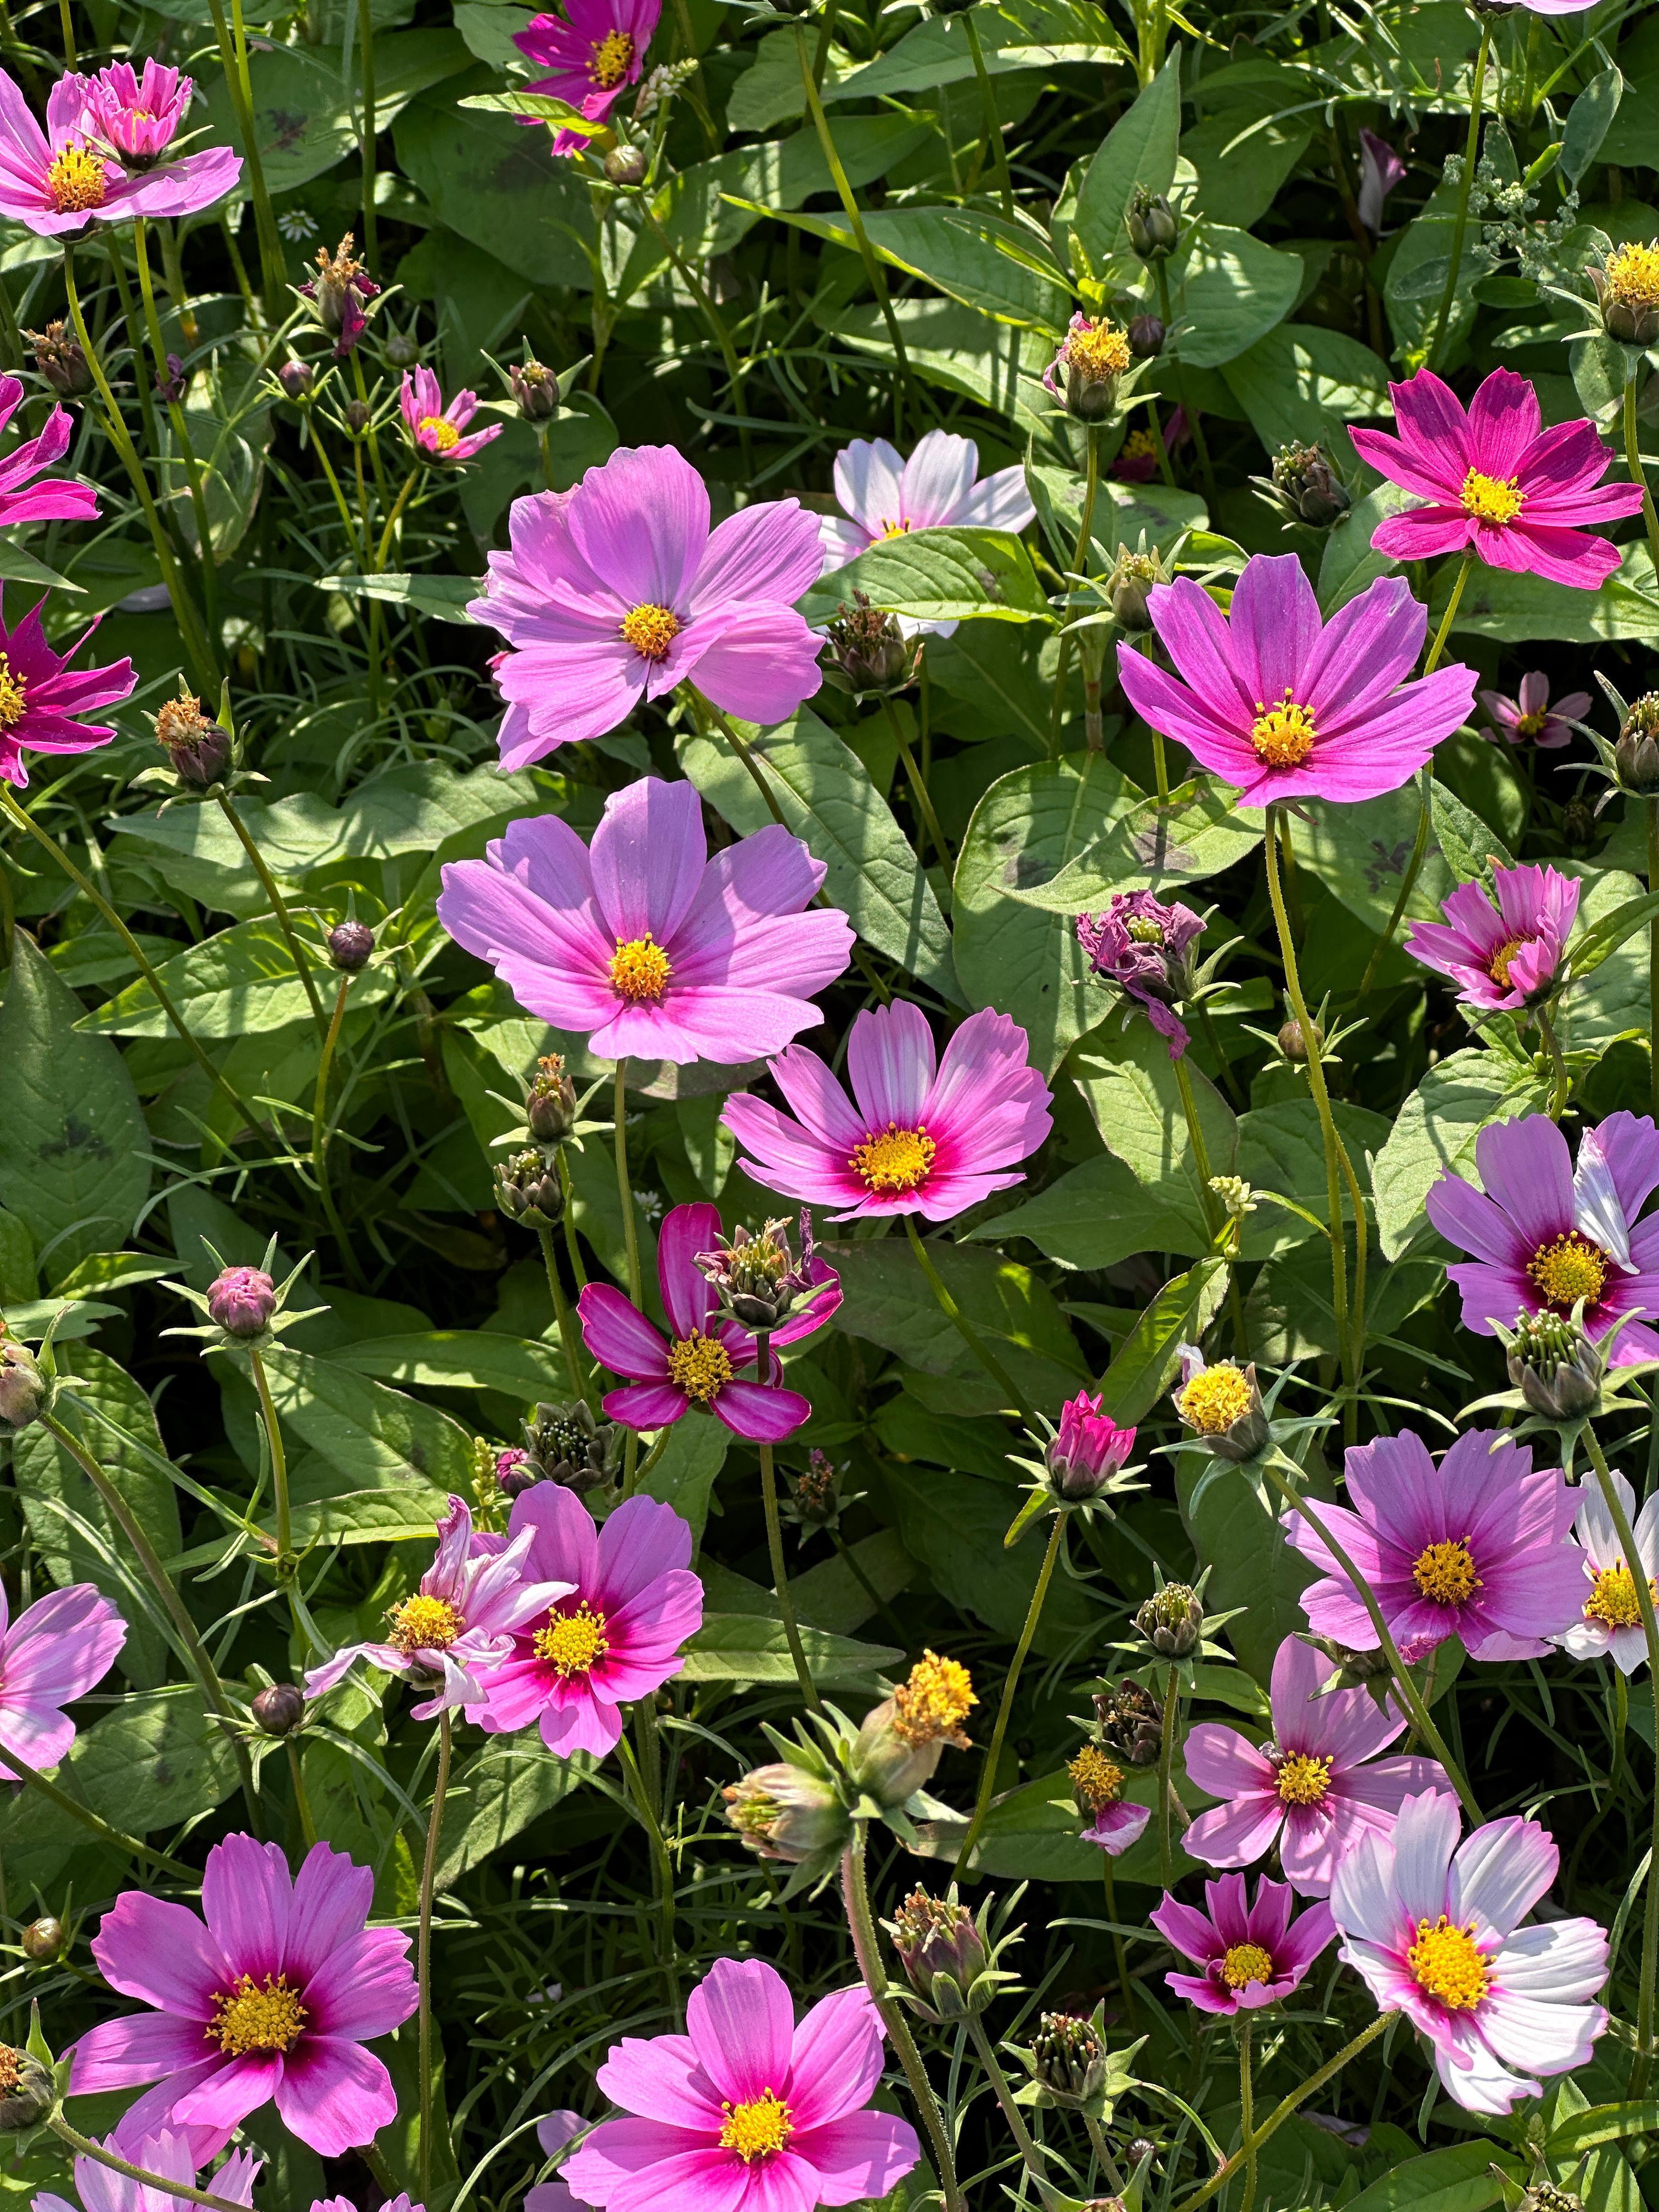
(273, 1998)
(1315, 1789)
(746, 2111)
(1476, 1546)
(615, 592)
(1495, 480)
(1609, 1625)
(882, 496)
(644, 942)
(137, 117)
(1380, 170)
(1087, 1448)
(1144, 947)
(1286, 706)
(40, 700)
(459, 1621)
(434, 429)
(924, 1137)
(1434, 1929)
(1505, 957)
(400, 2204)
(1251, 1954)
(1116, 1826)
(595, 50)
(631, 1602)
(699, 1363)
(50, 1655)
(1531, 716)
(1546, 1234)
(553, 2133)
(55, 181)
(59, 499)
(170, 2154)
(1137, 457)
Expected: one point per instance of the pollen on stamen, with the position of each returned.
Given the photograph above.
(651, 629)
(13, 690)
(75, 180)
(613, 57)
(700, 1366)
(1284, 734)
(640, 968)
(444, 434)
(1491, 499)
(894, 1160)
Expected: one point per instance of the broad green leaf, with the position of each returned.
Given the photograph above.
(538, 107)
(685, 1475)
(1142, 846)
(17, 1281)
(1098, 1214)
(19, 566)
(993, 363)
(1236, 1534)
(1302, 385)
(1291, 1312)
(303, 118)
(241, 981)
(1031, 1834)
(1138, 153)
(954, 1524)
(1611, 998)
(1348, 566)
(1000, 268)
(228, 418)
(1014, 34)
(1361, 854)
(1589, 121)
(1144, 1363)
(400, 1459)
(1248, 140)
(490, 180)
(1458, 2178)
(512, 1781)
(461, 1360)
(738, 1647)
(1436, 1130)
(1518, 608)
(938, 575)
(1128, 1083)
(440, 599)
(1230, 289)
(1603, 2124)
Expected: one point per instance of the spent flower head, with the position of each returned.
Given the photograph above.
(1085, 375)
(1627, 292)
(757, 1276)
(948, 1954)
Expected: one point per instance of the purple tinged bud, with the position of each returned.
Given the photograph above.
(515, 1471)
(536, 389)
(625, 165)
(349, 945)
(279, 1710)
(296, 378)
(1088, 1449)
(784, 1812)
(549, 1106)
(1147, 335)
(358, 414)
(22, 1386)
(241, 1301)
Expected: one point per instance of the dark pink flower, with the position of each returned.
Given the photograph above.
(434, 430)
(1144, 947)
(1252, 1954)
(1087, 1448)
(53, 1653)
(1494, 479)
(59, 499)
(1502, 957)
(55, 181)
(594, 51)
(1530, 714)
(41, 699)
(242, 1300)
(137, 117)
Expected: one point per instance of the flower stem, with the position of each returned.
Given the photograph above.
(1119, 1956)
(423, 1944)
(1246, 2114)
(1466, 183)
(321, 1130)
(163, 2188)
(233, 59)
(1165, 1762)
(301, 1799)
(631, 1240)
(1102, 2150)
(562, 1313)
(134, 1845)
(969, 1335)
(662, 1865)
(394, 517)
(987, 1773)
(775, 1543)
(1552, 1045)
(918, 786)
(278, 1465)
(1281, 2113)
(1638, 475)
(1036, 2164)
(366, 24)
(180, 428)
(741, 750)
(1200, 1149)
(1091, 492)
(296, 952)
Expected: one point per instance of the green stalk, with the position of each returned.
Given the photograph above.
(1165, 1762)
(423, 1948)
(366, 25)
(135, 1846)
(278, 1465)
(1653, 953)
(998, 152)
(278, 906)
(987, 1773)
(1638, 475)
(970, 1336)
(662, 1865)
(301, 1801)
(322, 1129)
(1461, 220)
(233, 59)
(775, 1545)
(83, 2148)
(393, 519)
(1036, 2164)
(919, 790)
(562, 1313)
(631, 1237)
(711, 314)
(1563, 1089)
(1282, 2111)
(1247, 2112)
(180, 428)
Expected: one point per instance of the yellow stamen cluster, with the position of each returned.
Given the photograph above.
(1097, 351)
(1245, 1964)
(895, 530)
(1491, 499)
(1283, 735)
(1447, 1963)
(611, 57)
(756, 2129)
(1498, 966)
(933, 1702)
(75, 180)
(639, 969)
(700, 1366)
(1568, 1269)
(573, 1642)
(1612, 1600)
(1214, 1399)
(1445, 1572)
(1302, 1779)
(1139, 446)
(1097, 1780)
(424, 1624)
(257, 2017)
(11, 2069)
(651, 630)
(1631, 276)
(440, 432)
(13, 689)
(894, 1161)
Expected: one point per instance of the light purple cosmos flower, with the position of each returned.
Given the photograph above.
(1434, 1929)
(1494, 479)
(434, 429)
(59, 499)
(1097, 1783)
(1144, 947)
(746, 2111)
(645, 943)
(42, 699)
(595, 50)
(926, 1136)
(50, 1655)
(618, 591)
(882, 496)
(1286, 706)
(631, 1602)
(55, 181)
(1315, 1789)
(273, 1998)
(1530, 714)
(1546, 1234)
(1505, 957)
(166, 2153)
(698, 1364)
(135, 118)
(1475, 1545)
(1609, 1625)
(1251, 1954)
(400, 2202)
(1115, 1828)
(459, 1621)
(1380, 170)
(553, 2133)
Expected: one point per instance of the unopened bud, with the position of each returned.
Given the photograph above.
(1068, 2056)
(172, 383)
(43, 1940)
(1087, 1451)
(401, 350)
(942, 1951)
(27, 2093)
(528, 1189)
(549, 1107)
(59, 357)
(358, 414)
(514, 1470)
(757, 1278)
(1131, 1722)
(1293, 1040)
(1146, 335)
(536, 391)
(814, 1495)
(568, 1446)
(1172, 1620)
(1578, 822)
(349, 945)
(197, 747)
(22, 1386)
(1553, 1365)
(783, 1812)
(280, 1709)
(625, 165)
(1309, 489)
(1128, 589)
(296, 378)
(1636, 752)
(241, 1301)
(1151, 224)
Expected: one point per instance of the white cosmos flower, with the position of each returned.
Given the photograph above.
(1611, 1623)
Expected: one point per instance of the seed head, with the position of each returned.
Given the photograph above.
(197, 746)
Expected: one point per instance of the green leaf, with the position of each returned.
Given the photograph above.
(1145, 1362)
(1589, 121)
(400, 1459)
(1129, 1083)
(461, 1360)
(1143, 848)
(1302, 385)
(1591, 946)
(1455, 2179)
(1139, 154)
(685, 1475)
(490, 180)
(441, 598)
(540, 107)
(19, 566)
(1014, 34)
(303, 119)
(1031, 1833)
(512, 1781)
(740, 1647)
(1236, 1534)
(17, 1281)
(1437, 1128)
(1348, 566)
(938, 575)
(954, 1524)
(1231, 289)
(1603, 2124)
(238, 983)
(1098, 1214)
(993, 363)
(1002, 269)
(1519, 609)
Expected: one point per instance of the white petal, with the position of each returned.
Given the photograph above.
(1485, 2085)
(1562, 1960)
(1500, 1873)
(1595, 1207)
(1544, 2039)
(1363, 1900)
(1589, 1639)
(1593, 1523)
(1424, 1838)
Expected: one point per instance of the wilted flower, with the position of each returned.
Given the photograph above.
(1222, 1405)
(59, 358)
(866, 650)
(23, 1389)
(1098, 1786)
(903, 1739)
(1505, 956)
(1530, 714)
(1627, 292)
(1151, 222)
(1083, 374)
(1086, 1451)
(1172, 1620)
(1145, 948)
(944, 1952)
(241, 1301)
(528, 1188)
(1380, 170)
(568, 1446)
(788, 1812)
(338, 292)
(434, 429)
(173, 382)
(1553, 1365)
(1068, 2056)
(196, 747)
(758, 1279)
(536, 389)
(1131, 1721)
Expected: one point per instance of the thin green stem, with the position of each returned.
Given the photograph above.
(775, 1544)
(1036, 2164)
(1282, 2111)
(134, 1845)
(1638, 475)
(919, 790)
(301, 1799)
(998, 152)
(180, 428)
(1200, 1151)
(662, 1865)
(1119, 1955)
(296, 952)
(1461, 218)
(987, 1773)
(393, 519)
(66, 28)
(1090, 495)
(1013, 1395)
(366, 26)
(1563, 1089)
(711, 314)
(1450, 615)
(562, 1313)
(1102, 2150)
(573, 1250)
(233, 59)
(278, 1465)
(423, 1948)
(84, 2147)
(631, 1239)
(1165, 1763)
(1246, 2113)
(322, 1129)
(741, 750)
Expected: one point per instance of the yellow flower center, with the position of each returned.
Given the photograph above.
(1632, 275)
(934, 1701)
(573, 1642)
(424, 1624)
(266, 2016)
(757, 2130)
(1613, 1600)
(651, 630)
(1569, 1269)
(1491, 499)
(444, 434)
(1530, 725)
(1283, 735)
(75, 180)
(1214, 1399)
(1445, 1572)
(1303, 1780)
(611, 57)
(1139, 446)
(1245, 1964)
(1097, 1780)
(1446, 1963)
(1096, 351)
(1498, 966)
(894, 1161)
(639, 969)
(894, 530)
(700, 1366)
(12, 700)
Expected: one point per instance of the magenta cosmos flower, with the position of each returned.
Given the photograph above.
(594, 51)
(1546, 1234)
(1284, 706)
(398, 2203)
(1475, 1545)
(1434, 1929)
(41, 699)
(631, 1602)
(644, 943)
(135, 118)
(169, 2154)
(1530, 714)
(1495, 481)
(746, 2111)
(553, 2133)
(882, 496)
(434, 430)
(1315, 1787)
(55, 182)
(459, 1620)
(1250, 1955)
(273, 1998)
(922, 1138)
(1609, 1625)
(59, 499)
(50, 1655)
(1502, 957)
(618, 591)
(1087, 1448)
(1144, 947)
(699, 1363)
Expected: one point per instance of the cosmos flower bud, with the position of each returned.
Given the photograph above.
(1635, 755)
(27, 2093)
(197, 747)
(1129, 587)
(240, 1301)
(1172, 1620)
(1068, 2056)
(280, 1709)
(536, 391)
(357, 415)
(1146, 335)
(22, 1386)
(349, 945)
(1293, 1041)
(401, 350)
(1310, 491)
(172, 384)
(1553, 1365)
(1131, 1722)
(1083, 374)
(513, 1470)
(902, 1740)
(528, 1189)
(1087, 1450)
(43, 1940)
(1151, 224)
(549, 1106)
(625, 165)
(868, 650)
(944, 1952)
(568, 1446)
(1578, 822)
(757, 1277)
(1627, 293)
(296, 378)
(784, 1812)
(816, 1495)
(59, 357)
(1222, 1406)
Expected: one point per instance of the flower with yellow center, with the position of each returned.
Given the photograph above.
(573, 1642)
(1446, 1963)
(1245, 1965)
(1569, 1268)
(757, 2130)
(610, 58)
(75, 180)
(1491, 499)
(1097, 1780)
(894, 1161)
(651, 629)
(1214, 1399)
(1096, 351)
(1445, 1572)
(1139, 446)
(1612, 1600)
(1631, 276)
(424, 1624)
(894, 530)
(933, 1702)
(639, 969)
(13, 701)
(257, 2017)
(1283, 735)
(1302, 1779)
(440, 434)
(1498, 966)
(700, 1366)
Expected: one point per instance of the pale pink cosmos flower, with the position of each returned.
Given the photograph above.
(271, 1997)
(882, 496)
(137, 117)
(1609, 1625)
(1251, 1954)
(553, 2133)
(631, 1602)
(919, 1135)
(1315, 1787)
(1495, 481)
(594, 51)
(1476, 1545)
(434, 430)
(459, 1621)
(55, 181)
(1504, 957)
(642, 942)
(166, 2153)
(1531, 713)
(1434, 1928)
(58, 499)
(746, 2111)
(1380, 170)
(54, 1652)
(614, 592)
(42, 699)
(1283, 704)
